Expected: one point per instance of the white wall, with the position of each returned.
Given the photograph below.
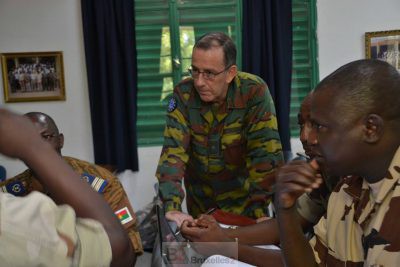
(140, 185)
(341, 28)
(51, 25)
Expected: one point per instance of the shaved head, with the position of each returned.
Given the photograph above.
(48, 129)
(356, 116)
(366, 86)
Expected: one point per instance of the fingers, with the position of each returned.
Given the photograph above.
(205, 221)
(207, 218)
(300, 173)
(190, 223)
(178, 217)
(314, 164)
(294, 179)
(263, 219)
(190, 231)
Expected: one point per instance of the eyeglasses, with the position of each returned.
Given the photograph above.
(208, 75)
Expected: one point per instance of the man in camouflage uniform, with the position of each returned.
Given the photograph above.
(355, 114)
(311, 207)
(100, 179)
(221, 136)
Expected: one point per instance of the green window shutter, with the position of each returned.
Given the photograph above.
(151, 17)
(165, 35)
(305, 65)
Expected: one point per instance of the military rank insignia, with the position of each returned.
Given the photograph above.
(16, 188)
(124, 215)
(96, 183)
(172, 104)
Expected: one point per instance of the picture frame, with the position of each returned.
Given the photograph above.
(33, 76)
(384, 45)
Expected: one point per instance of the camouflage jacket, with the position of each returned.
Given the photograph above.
(100, 180)
(361, 224)
(226, 154)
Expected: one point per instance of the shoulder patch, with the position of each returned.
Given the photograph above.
(97, 183)
(172, 104)
(124, 215)
(16, 188)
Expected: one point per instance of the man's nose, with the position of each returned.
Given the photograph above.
(304, 134)
(199, 81)
(312, 138)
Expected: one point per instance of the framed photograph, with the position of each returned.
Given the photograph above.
(35, 76)
(384, 45)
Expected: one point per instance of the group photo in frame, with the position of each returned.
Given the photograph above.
(384, 45)
(33, 76)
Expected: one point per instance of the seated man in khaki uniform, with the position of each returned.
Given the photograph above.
(79, 229)
(311, 207)
(100, 179)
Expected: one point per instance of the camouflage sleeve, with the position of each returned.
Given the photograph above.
(264, 149)
(174, 156)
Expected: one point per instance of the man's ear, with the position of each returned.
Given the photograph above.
(61, 140)
(231, 73)
(373, 128)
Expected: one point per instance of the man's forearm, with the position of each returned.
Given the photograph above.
(64, 184)
(66, 187)
(264, 233)
(295, 247)
(260, 257)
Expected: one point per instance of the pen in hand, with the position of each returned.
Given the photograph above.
(303, 155)
(208, 212)
(211, 210)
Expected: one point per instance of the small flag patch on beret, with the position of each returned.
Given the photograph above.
(124, 215)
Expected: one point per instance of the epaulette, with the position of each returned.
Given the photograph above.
(97, 183)
(16, 188)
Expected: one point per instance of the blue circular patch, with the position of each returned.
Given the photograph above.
(172, 105)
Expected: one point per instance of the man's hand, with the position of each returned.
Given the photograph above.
(178, 217)
(294, 179)
(18, 135)
(204, 229)
(19, 138)
(263, 219)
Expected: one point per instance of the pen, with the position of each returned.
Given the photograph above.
(209, 211)
(302, 155)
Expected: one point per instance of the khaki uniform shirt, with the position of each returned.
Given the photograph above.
(312, 206)
(226, 154)
(100, 180)
(361, 228)
(30, 229)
